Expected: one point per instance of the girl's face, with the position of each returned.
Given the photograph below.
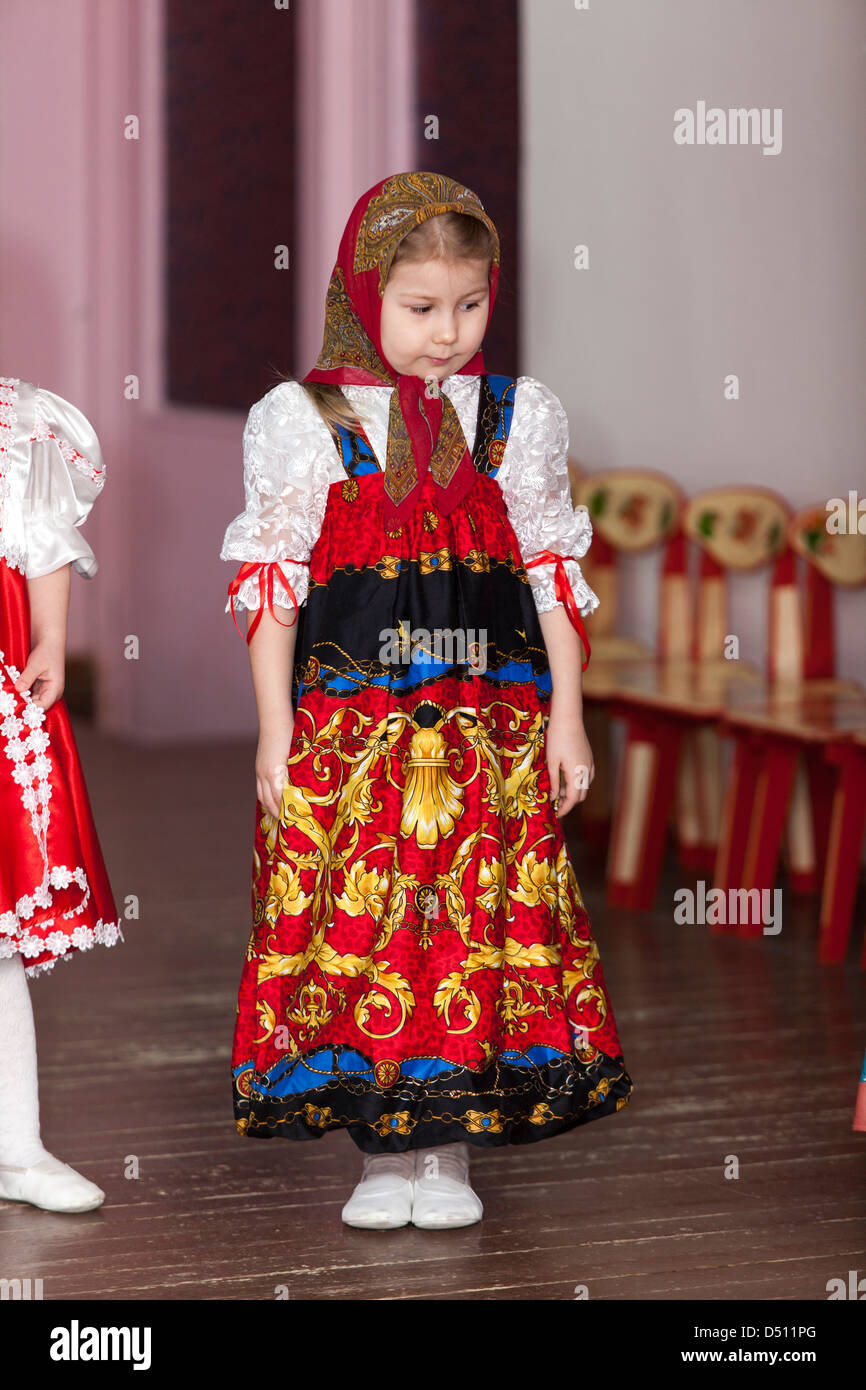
(434, 315)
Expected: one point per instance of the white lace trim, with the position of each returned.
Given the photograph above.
(23, 734)
(13, 554)
(66, 944)
(43, 430)
(543, 581)
(249, 594)
(8, 418)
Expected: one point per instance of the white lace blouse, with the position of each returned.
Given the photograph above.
(291, 460)
(51, 472)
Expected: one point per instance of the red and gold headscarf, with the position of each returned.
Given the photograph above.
(352, 348)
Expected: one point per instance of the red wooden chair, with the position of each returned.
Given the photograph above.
(632, 511)
(671, 709)
(811, 720)
(827, 563)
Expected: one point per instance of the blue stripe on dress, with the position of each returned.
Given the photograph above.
(294, 1076)
(419, 673)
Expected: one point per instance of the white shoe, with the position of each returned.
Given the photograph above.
(382, 1200)
(51, 1185)
(445, 1199)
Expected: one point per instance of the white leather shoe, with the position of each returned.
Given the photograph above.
(51, 1185)
(445, 1199)
(382, 1200)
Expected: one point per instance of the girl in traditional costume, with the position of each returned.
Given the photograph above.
(55, 897)
(421, 970)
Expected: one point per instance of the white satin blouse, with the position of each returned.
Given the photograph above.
(291, 460)
(51, 472)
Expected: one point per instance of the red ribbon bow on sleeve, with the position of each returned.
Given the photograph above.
(266, 590)
(564, 593)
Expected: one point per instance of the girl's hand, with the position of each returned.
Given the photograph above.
(45, 672)
(271, 772)
(569, 759)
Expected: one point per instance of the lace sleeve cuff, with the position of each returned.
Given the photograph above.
(248, 593)
(288, 452)
(543, 582)
(535, 482)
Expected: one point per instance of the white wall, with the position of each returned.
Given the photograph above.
(703, 260)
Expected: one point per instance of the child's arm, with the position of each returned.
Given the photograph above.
(45, 670)
(552, 536)
(288, 452)
(568, 752)
(272, 658)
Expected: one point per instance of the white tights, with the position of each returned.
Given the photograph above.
(20, 1142)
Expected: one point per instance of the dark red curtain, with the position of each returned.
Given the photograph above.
(230, 128)
(230, 131)
(467, 77)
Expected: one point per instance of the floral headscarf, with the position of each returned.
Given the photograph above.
(352, 348)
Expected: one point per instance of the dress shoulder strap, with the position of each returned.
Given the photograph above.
(355, 453)
(495, 413)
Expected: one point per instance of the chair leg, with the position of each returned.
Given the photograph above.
(595, 812)
(799, 856)
(809, 823)
(698, 799)
(710, 780)
(686, 817)
(645, 796)
(737, 805)
(823, 780)
(843, 855)
(769, 814)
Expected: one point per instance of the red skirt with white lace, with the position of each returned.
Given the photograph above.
(55, 897)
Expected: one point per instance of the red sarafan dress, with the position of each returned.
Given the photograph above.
(55, 897)
(421, 967)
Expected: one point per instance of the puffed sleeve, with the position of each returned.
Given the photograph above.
(288, 452)
(66, 473)
(535, 483)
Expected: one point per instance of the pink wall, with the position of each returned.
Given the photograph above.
(44, 187)
(81, 275)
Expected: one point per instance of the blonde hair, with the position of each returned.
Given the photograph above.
(449, 236)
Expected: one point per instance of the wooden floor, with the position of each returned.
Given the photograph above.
(736, 1048)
